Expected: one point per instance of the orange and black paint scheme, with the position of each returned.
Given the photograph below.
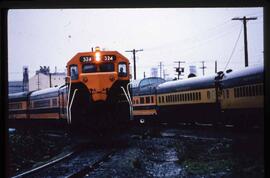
(99, 101)
(98, 77)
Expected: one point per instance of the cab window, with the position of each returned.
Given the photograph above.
(74, 72)
(122, 70)
(107, 67)
(89, 68)
(144, 83)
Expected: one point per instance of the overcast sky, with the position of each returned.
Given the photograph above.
(52, 37)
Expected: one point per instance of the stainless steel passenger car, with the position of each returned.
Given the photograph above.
(144, 99)
(233, 97)
(38, 107)
(242, 100)
(189, 100)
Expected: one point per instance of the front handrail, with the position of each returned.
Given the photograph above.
(73, 96)
(69, 89)
(128, 91)
(130, 103)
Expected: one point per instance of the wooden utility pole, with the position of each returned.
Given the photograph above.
(215, 66)
(179, 69)
(50, 78)
(244, 19)
(134, 59)
(160, 69)
(164, 74)
(203, 67)
(38, 82)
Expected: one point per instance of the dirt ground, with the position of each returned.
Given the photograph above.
(176, 153)
(157, 153)
(28, 149)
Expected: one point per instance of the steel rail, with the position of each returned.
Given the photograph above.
(92, 167)
(32, 171)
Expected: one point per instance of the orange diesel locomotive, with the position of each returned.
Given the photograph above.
(96, 97)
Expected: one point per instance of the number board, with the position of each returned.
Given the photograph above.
(108, 58)
(86, 58)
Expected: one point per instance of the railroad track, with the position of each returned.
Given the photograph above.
(200, 126)
(82, 159)
(75, 150)
(31, 172)
(88, 156)
(194, 131)
(91, 167)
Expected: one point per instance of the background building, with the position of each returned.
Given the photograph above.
(41, 80)
(192, 71)
(25, 79)
(20, 86)
(154, 72)
(15, 86)
(44, 79)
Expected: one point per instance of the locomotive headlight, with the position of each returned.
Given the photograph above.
(85, 79)
(97, 56)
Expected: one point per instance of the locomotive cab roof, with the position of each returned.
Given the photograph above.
(76, 59)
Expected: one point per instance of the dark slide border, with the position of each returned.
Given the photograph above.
(5, 5)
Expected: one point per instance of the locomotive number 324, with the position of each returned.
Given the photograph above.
(85, 58)
(109, 58)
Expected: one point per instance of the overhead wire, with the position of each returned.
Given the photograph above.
(190, 38)
(200, 43)
(236, 42)
(223, 34)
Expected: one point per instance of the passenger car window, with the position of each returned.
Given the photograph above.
(74, 72)
(208, 94)
(122, 70)
(147, 99)
(144, 83)
(152, 81)
(227, 93)
(141, 100)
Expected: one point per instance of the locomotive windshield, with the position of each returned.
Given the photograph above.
(88, 68)
(74, 72)
(107, 67)
(122, 70)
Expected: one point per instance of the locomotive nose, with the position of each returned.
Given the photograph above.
(99, 84)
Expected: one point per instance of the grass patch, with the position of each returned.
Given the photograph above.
(203, 167)
(200, 157)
